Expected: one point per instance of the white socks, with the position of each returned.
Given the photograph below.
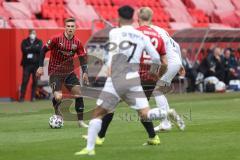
(162, 104)
(156, 114)
(93, 129)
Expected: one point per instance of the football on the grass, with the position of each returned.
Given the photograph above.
(56, 121)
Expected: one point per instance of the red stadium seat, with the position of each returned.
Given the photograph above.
(86, 13)
(45, 9)
(206, 5)
(107, 2)
(177, 11)
(82, 2)
(5, 14)
(161, 24)
(93, 2)
(17, 23)
(236, 3)
(55, 9)
(99, 25)
(189, 3)
(84, 24)
(87, 1)
(33, 5)
(45, 23)
(179, 25)
(59, 21)
(224, 5)
(50, 1)
(61, 2)
(179, 16)
(227, 18)
(173, 4)
(124, 2)
(18, 10)
(199, 15)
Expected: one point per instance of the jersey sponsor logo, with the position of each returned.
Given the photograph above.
(65, 53)
(73, 47)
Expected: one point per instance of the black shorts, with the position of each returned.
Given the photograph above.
(148, 88)
(69, 81)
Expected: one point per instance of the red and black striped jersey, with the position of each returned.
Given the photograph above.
(158, 43)
(62, 54)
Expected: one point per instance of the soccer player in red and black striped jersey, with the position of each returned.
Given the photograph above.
(63, 48)
(147, 80)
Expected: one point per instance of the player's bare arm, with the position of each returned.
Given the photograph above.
(41, 61)
(163, 67)
(182, 72)
(83, 62)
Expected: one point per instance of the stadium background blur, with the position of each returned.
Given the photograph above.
(198, 26)
(212, 120)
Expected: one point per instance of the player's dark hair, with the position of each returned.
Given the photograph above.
(69, 20)
(31, 30)
(126, 12)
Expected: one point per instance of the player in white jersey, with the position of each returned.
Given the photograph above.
(123, 83)
(174, 59)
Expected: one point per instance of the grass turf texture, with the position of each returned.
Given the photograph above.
(212, 132)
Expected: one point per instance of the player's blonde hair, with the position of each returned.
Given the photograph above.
(145, 14)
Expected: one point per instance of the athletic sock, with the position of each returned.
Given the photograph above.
(56, 105)
(93, 129)
(105, 123)
(148, 125)
(156, 114)
(79, 107)
(162, 103)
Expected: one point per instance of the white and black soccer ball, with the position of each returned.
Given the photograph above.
(56, 121)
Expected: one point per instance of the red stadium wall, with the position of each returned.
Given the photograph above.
(10, 57)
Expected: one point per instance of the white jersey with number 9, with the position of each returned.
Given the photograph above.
(131, 42)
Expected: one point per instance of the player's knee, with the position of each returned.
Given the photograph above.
(99, 112)
(76, 91)
(143, 113)
(58, 96)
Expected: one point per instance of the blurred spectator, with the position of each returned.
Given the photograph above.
(31, 47)
(213, 64)
(191, 73)
(231, 65)
(237, 55)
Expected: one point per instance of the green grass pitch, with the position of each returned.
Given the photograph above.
(212, 132)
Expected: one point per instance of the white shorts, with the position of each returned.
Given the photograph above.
(167, 78)
(110, 96)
